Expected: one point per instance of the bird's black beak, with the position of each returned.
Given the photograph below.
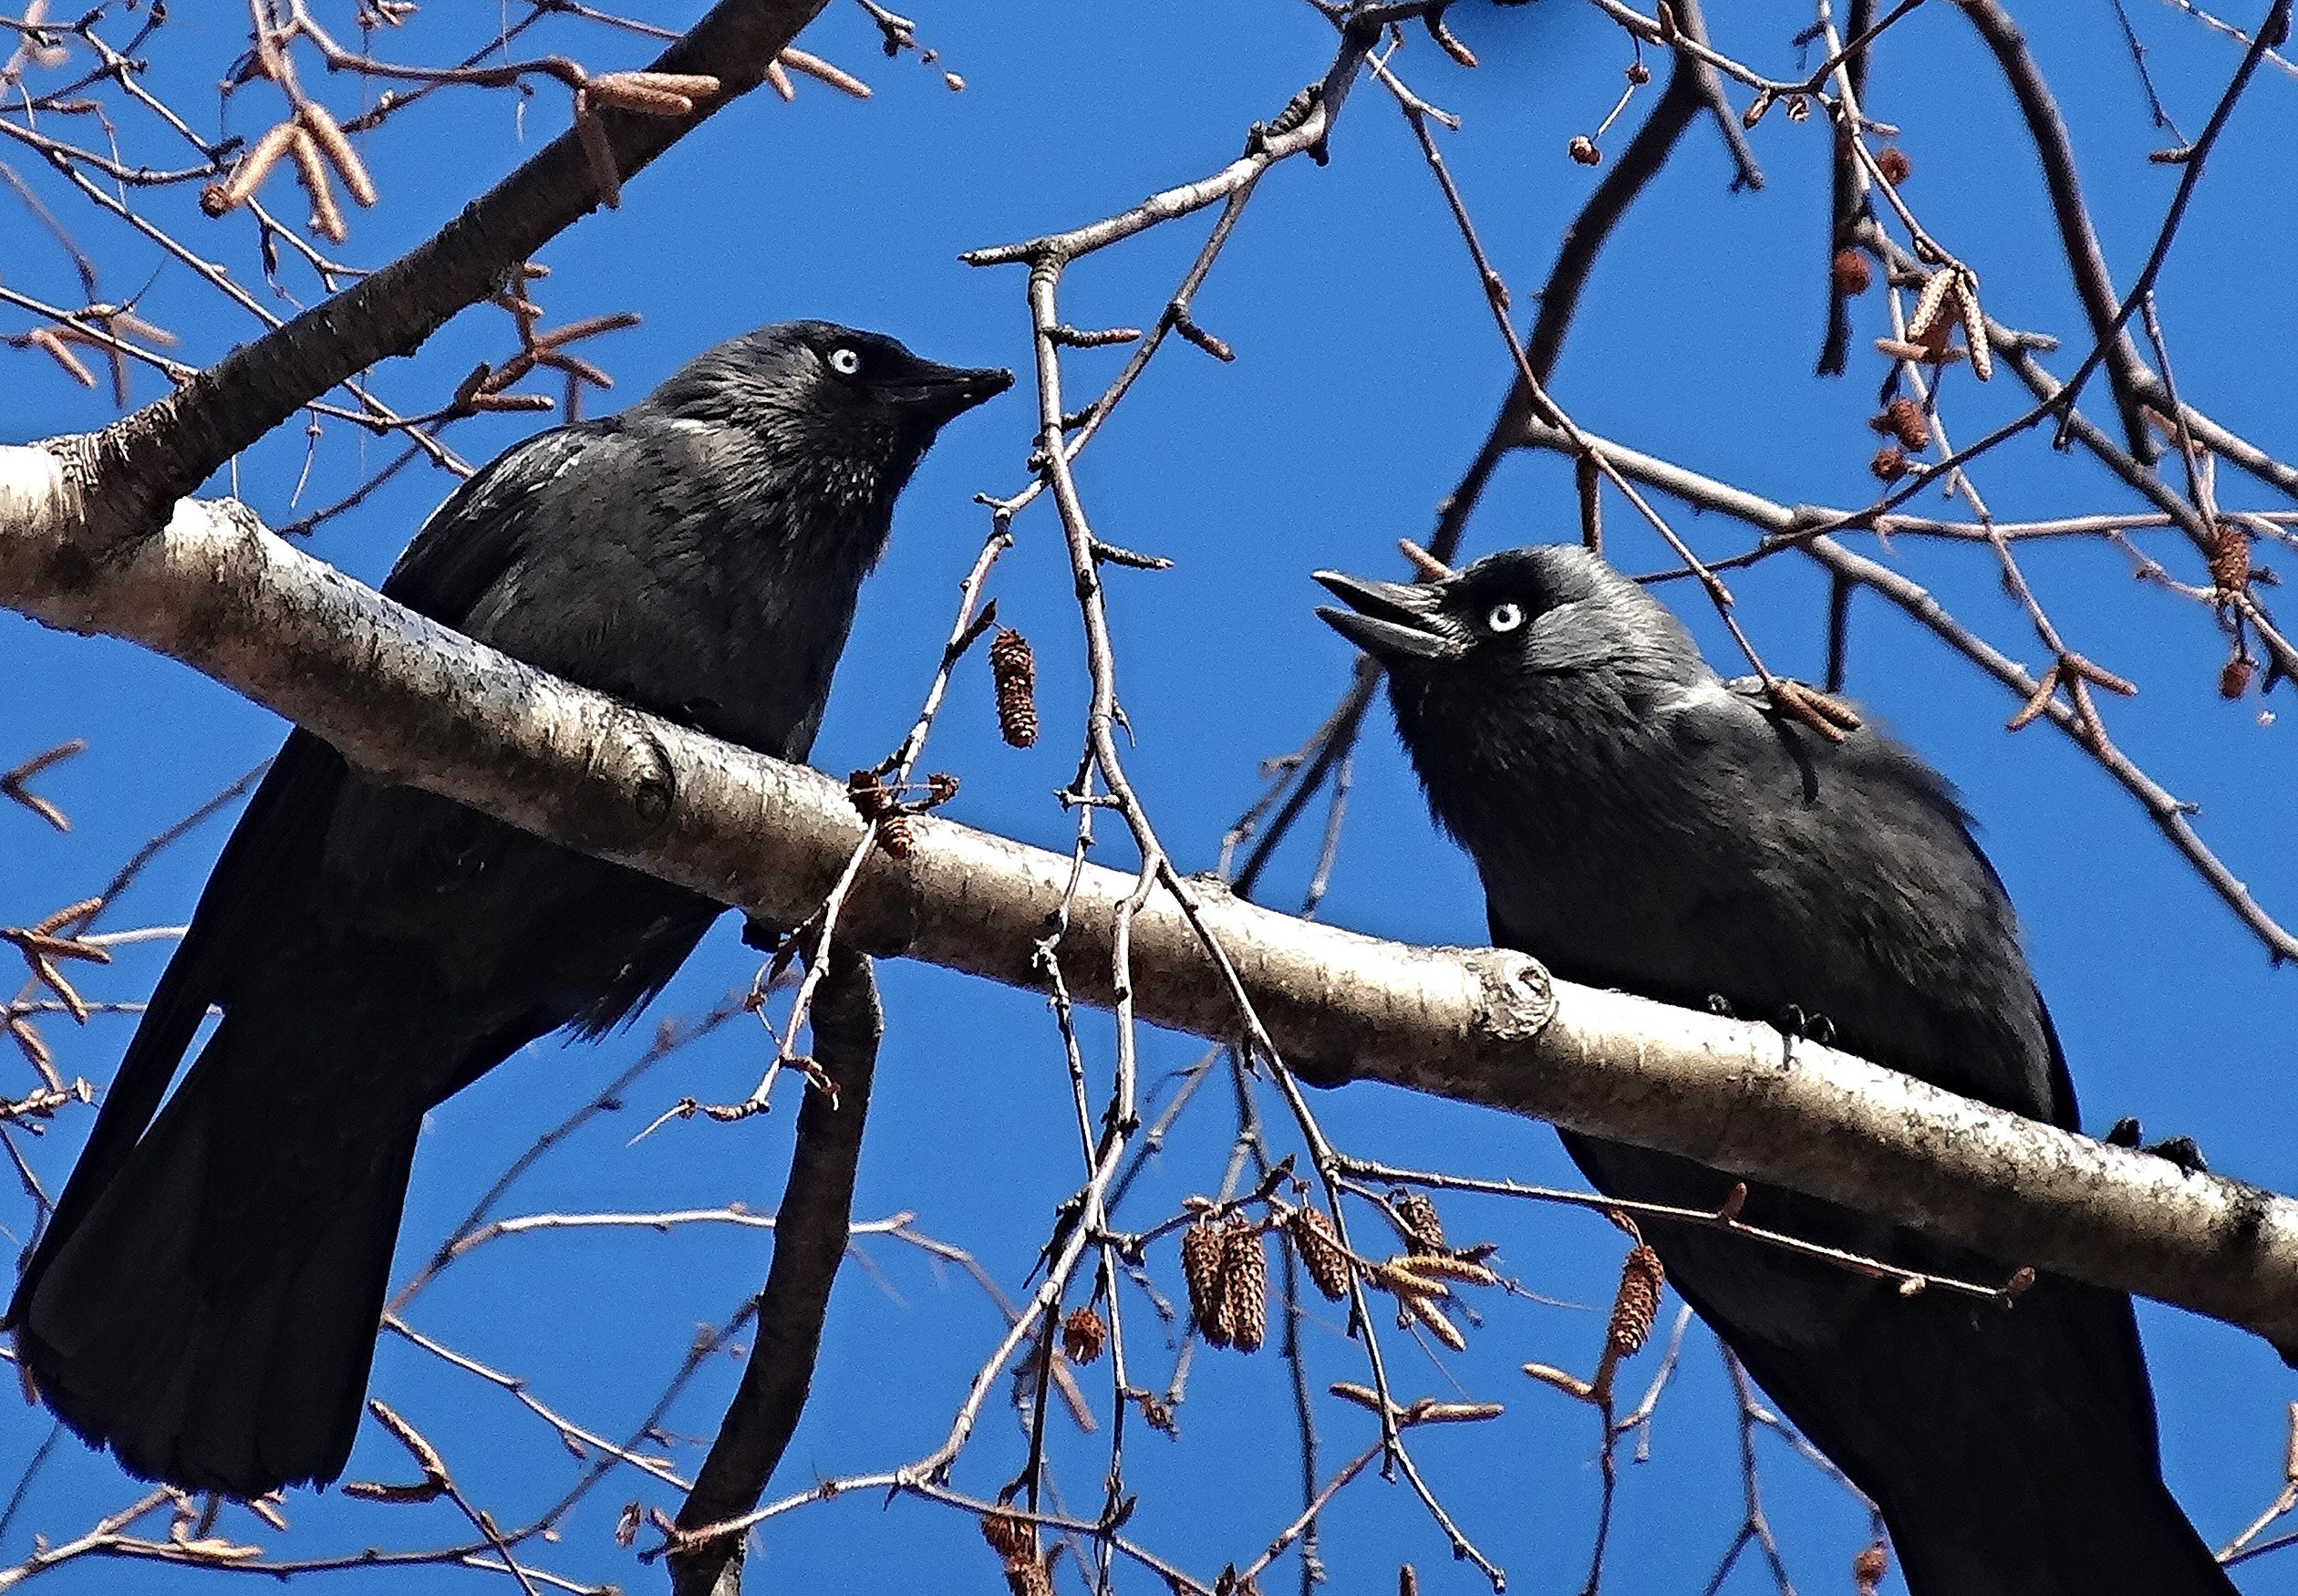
(1391, 621)
(935, 393)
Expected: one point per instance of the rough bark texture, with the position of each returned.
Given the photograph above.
(415, 702)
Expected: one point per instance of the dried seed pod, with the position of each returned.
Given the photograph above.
(1245, 1284)
(1850, 273)
(1869, 1568)
(1889, 463)
(1010, 1535)
(941, 788)
(1639, 74)
(2234, 677)
(1903, 419)
(1322, 1253)
(1638, 1302)
(1583, 150)
(1084, 1335)
(1013, 669)
(2230, 559)
(1892, 162)
(1028, 1577)
(1204, 1262)
(1417, 1212)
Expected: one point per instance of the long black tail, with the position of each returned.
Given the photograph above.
(211, 1318)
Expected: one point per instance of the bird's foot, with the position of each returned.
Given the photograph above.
(2181, 1151)
(1808, 1027)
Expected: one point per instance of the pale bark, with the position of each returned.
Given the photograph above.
(411, 701)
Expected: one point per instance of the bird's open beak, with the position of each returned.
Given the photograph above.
(1391, 621)
(936, 393)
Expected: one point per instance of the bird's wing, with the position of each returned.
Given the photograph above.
(462, 549)
(476, 535)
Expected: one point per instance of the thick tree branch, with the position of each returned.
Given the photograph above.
(810, 1239)
(411, 701)
(136, 466)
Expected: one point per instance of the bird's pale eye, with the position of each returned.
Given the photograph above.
(844, 362)
(1505, 617)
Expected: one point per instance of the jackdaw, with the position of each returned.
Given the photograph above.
(1641, 823)
(204, 1301)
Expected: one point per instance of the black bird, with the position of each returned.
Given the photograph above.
(204, 1301)
(1641, 823)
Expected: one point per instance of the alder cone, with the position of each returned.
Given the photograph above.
(1245, 1285)
(2234, 678)
(1009, 1536)
(1903, 419)
(1203, 1251)
(1013, 671)
(1084, 1335)
(2230, 559)
(1889, 463)
(1637, 1303)
(1322, 1253)
(1422, 1227)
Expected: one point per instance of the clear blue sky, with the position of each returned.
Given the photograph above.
(1368, 371)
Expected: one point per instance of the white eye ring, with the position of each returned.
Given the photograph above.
(1505, 617)
(844, 362)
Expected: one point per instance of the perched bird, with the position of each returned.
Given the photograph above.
(204, 1301)
(1641, 823)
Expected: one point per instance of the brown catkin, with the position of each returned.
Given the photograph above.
(1637, 1303)
(1204, 1254)
(1084, 1335)
(1422, 1228)
(1322, 1253)
(1892, 162)
(2230, 558)
(1009, 1535)
(1013, 669)
(1889, 462)
(1851, 274)
(1903, 419)
(1245, 1285)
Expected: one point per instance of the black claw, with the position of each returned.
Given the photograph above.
(1805, 1026)
(2181, 1151)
